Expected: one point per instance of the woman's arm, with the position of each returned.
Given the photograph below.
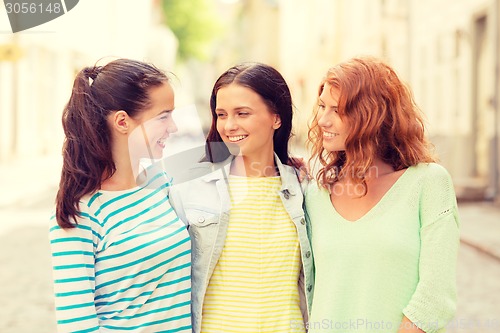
(433, 303)
(74, 276)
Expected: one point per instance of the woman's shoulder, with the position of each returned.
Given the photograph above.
(194, 173)
(431, 171)
(435, 182)
(312, 188)
(197, 178)
(431, 167)
(89, 200)
(290, 171)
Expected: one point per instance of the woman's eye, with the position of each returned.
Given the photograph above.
(220, 115)
(165, 116)
(321, 106)
(243, 114)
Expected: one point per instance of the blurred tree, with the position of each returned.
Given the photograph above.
(194, 23)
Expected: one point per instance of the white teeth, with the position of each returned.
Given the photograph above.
(329, 135)
(237, 138)
(161, 141)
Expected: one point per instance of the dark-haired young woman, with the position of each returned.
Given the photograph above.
(252, 262)
(121, 257)
(384, 217)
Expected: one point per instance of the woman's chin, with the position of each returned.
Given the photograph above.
(233, 148)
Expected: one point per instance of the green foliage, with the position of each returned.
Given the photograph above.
(194, 24)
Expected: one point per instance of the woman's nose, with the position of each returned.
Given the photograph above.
(230, 124)
(323, 121)
(172, 126)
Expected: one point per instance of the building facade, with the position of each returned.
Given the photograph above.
(454, 74)
(36, 84)
(447, 50)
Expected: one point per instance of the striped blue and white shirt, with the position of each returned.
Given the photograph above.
(126, 266)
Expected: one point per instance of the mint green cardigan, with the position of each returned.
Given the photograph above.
(398, 259)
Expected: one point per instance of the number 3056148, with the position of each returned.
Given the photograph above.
(33, 8)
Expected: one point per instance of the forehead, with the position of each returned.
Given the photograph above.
(235, 92)
(162, 94)
(330, 93)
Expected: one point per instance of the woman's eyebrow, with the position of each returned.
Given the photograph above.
(165, 111)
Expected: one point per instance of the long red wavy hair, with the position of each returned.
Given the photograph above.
(382, 118)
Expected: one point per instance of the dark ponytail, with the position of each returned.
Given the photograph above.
(122, 84)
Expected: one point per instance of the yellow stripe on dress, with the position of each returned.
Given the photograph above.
(254, 285)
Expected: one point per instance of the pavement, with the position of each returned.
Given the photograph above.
(25, 181)
(480, 227)
(27, 191)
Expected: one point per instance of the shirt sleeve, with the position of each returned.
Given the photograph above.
(433, 303)
(175, 200)
(73, 270)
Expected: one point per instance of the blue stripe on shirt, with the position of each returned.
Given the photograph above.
(138, 261)
(147, 324)
(123, 196)
(137, 248)
(140, 285)
(133, 276)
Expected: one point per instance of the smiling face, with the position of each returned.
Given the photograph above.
(245, 120)
(334, 129)
(154, 124)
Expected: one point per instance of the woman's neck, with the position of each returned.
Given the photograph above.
(125, 176)
(378, 169)
(252, 167)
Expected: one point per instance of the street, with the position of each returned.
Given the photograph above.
(26, 286)
(478, 293)
(26, 291)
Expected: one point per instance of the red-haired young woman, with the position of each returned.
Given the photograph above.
(384, 218)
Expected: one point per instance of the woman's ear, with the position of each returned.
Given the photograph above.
(120, 122)
(277, 122)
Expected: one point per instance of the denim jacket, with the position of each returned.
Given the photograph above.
(204, 204)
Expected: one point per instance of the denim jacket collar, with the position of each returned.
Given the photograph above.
(221, 170)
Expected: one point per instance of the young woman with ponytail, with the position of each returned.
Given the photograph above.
(121, 257)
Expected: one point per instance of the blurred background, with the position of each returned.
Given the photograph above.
(447, 50)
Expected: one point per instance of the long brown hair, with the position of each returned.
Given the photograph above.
(272, 87)
(122, 84)
(382, 117)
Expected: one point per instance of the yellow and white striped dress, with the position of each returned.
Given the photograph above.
(254, 284)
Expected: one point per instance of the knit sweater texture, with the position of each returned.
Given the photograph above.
(398, 259)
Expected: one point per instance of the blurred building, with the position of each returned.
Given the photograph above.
(38, 66)
(447, 51)
(454, 63)
(317, 35)
(303, 39)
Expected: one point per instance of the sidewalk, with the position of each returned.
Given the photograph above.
(480, 227)
(24, 182)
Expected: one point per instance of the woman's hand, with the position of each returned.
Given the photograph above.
(407, 326)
